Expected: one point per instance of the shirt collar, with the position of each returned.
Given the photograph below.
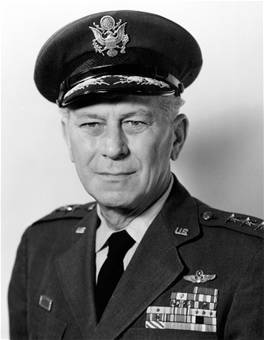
(137, 227)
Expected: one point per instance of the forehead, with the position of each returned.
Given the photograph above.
(129, 105)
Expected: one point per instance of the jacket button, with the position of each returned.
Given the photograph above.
(207, 215)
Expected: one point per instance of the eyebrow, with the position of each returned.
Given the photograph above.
(145, 113)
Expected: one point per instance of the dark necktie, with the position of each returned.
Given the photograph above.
(112, 269)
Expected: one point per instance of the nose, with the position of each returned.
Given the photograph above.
(114, 145)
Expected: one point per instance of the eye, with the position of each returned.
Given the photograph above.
(92, 128)
(90, 125)
(134, 126)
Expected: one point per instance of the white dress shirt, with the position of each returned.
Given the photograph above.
(136, 229)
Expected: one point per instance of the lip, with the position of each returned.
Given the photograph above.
(116, 174)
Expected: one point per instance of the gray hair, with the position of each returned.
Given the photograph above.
(170, 105)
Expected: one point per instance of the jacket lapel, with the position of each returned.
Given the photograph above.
(154, 266)
(76, 273)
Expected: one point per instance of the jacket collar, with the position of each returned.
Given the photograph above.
(180, 214)
(76, 271)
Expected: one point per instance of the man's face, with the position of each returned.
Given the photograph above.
(121, 150)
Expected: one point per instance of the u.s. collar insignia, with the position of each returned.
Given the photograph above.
(80, 230)
(109, 36)
(181, 231)
(199, 277)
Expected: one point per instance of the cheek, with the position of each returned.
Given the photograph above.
(81, 150)
(152, 151)
(165, 147)
(161, 148)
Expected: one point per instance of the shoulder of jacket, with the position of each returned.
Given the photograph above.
(71, 211)
(241, 223)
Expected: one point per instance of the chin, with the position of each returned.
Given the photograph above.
(114, 199)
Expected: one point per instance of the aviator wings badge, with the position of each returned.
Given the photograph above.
(199, 277)
(109, 36)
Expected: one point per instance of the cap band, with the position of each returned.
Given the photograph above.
(131, 80)
(112, 83)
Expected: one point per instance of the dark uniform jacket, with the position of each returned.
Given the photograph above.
(51, 293)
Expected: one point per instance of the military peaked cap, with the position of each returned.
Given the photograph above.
(117, 52)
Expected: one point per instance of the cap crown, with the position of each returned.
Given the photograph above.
(148, 40)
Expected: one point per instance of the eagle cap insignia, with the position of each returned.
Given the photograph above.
(109, 36)
(199, 277)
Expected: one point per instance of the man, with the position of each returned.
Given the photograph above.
(146, 260)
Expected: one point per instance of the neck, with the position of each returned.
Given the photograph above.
(118, 218)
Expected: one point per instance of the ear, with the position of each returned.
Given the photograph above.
(180, 127)
(66, 135)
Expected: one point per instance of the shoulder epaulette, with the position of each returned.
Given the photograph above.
(235, 221)
(69, 211)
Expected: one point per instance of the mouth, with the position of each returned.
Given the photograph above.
(116, 173)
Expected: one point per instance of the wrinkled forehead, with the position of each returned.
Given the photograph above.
(114, 99)
(119, 107)
(154, 105)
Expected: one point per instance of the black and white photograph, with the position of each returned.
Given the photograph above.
(132, 170)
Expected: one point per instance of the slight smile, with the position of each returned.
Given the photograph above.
(115, 175)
